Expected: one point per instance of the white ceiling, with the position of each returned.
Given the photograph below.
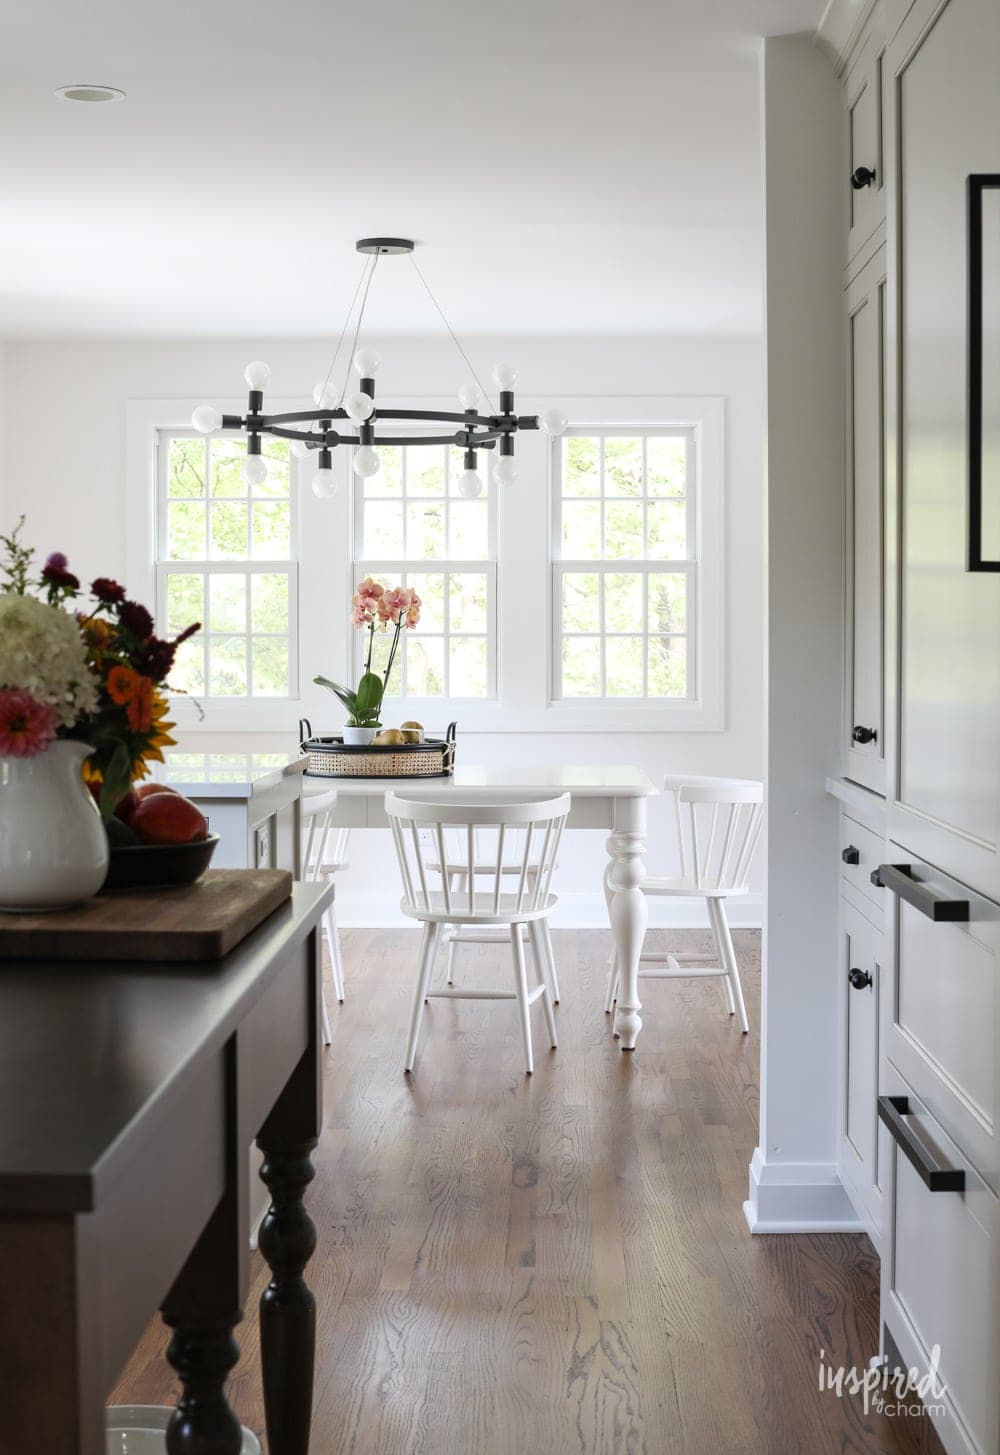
(567, 166)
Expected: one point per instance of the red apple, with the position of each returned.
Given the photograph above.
(127, 806)
(167, 818)
(146, 790)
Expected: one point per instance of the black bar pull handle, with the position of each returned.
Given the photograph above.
(851, 855)
(936, 1176)
(899, 878)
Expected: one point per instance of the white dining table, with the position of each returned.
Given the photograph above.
(601, 798)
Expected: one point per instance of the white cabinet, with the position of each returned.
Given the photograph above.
(864, 697)
(865, 96)
(941, 1275)
(862, 981)
(944, 801)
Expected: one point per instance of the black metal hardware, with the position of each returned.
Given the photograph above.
(935, 1176)
(862, 177)
(851, 855)
(860, 979)
(391, 246)
(864, 735)
(977, 561)
(899, 878)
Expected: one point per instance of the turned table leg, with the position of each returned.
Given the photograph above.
(628, 912)
(203, 1352)
(287, 1306)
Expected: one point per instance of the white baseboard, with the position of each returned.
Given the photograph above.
(798, 1197)
(373, 909)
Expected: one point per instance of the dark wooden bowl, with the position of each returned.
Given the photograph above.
(158, 866)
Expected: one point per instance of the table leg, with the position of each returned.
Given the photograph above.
(202, 1308)
(628, 912)
(287, 1240)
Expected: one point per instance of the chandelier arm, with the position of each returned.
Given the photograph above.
(454, 338)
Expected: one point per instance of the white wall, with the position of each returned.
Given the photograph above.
(793, 1176)
(64, 463)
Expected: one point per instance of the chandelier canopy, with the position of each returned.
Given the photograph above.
(479, 426)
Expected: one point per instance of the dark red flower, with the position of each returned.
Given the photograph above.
(136, 619)
(58, 576)
(188, 631)
(107, 590)
(158, 658)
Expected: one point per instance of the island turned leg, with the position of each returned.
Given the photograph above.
(203, 1353)
(202, 1309)
(287, 1240)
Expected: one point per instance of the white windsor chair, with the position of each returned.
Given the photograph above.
(515, 894)
(323, 856)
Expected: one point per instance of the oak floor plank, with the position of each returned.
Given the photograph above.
(558, 1265)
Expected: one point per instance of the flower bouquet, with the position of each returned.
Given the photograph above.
(96, 676)
(374, 607)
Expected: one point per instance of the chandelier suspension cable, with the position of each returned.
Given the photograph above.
(454, 338)
(361, 314)
(368, 266)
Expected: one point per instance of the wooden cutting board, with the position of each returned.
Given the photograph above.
(201, 921)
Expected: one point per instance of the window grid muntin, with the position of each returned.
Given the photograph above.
(403, 567)
(604, 565)
(207, 566)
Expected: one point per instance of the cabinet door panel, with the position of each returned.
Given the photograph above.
(947, 778)
(865, 760)
(858, 1154)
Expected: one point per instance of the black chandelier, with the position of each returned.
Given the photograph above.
(313, 431)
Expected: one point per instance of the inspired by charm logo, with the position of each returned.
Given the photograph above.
(888, 1391)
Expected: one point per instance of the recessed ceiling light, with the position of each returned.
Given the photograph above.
(90, 94)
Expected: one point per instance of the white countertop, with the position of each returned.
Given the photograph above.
(226, 775)
(581, 781)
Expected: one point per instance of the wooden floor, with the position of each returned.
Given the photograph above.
(556, 1264)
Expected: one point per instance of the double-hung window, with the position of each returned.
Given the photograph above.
(225, 556)
(625, 578)
(412, 527)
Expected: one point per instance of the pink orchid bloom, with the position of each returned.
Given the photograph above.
(370, 590)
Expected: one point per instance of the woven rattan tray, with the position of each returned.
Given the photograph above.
(330, 757)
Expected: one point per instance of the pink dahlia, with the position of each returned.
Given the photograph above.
(27, 727)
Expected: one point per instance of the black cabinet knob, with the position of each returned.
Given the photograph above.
(860, 979)
(851, 855)
(862, 177)
(864, 735)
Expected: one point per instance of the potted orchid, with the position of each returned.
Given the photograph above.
(374, 607)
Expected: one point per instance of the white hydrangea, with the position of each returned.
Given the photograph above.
(42, 652)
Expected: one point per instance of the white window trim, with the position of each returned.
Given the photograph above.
(524, 580)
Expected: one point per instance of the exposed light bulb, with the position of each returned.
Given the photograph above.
(505, 376)
(359, 406)
(553, 421)
(504, 471)
(367, 462)
(206, 418)
(366, 362)
(325, 396)
(469, 395)
(300, 449)
(255, 469)
(469, 485)
(324, 483)
(257, 375)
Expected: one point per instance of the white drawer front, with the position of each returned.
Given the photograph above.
(856, 840)
(944, 1025)
(941, 1288)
